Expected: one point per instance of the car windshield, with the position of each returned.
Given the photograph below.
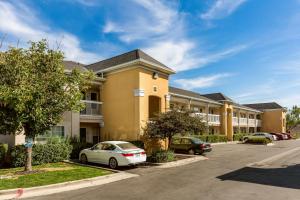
(197, 140)
(126, 146)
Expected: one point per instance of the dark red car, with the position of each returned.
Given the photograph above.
(280, 136)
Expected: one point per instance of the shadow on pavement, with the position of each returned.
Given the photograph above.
(288, 177)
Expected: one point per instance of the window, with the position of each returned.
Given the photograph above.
(186, 141)
(108, 147)
(58, 131)
(93, 96)
(82, 134)
(176, 141)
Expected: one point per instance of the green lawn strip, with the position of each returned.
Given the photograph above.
(72, 172)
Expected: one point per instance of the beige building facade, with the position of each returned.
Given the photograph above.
(131, 88)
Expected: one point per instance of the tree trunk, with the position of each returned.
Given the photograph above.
(169, 142)
(28, 165)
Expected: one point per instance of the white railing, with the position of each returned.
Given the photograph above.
(251, 122)
(243, 121)
(91, 108)
(235, 121)
(213, 119)
(258, 123)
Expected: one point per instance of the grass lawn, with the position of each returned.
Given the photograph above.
(49, 174)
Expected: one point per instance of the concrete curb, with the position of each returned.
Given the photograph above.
(182, 162)
(66, 186)
(219, 143)
(273, 158)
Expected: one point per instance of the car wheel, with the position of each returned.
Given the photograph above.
(191, 152)
(83, 159)
(245, 140)
(113, 163)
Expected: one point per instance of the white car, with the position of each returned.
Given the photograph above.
(114, 154)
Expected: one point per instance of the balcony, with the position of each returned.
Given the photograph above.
(214, 119)
(251, 122)
(91, 112)
(258, 123)
(243, 121)
(235, 121)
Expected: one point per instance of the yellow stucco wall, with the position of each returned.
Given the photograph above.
(273, 121)
(124, 113)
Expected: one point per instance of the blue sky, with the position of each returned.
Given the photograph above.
(247, 49)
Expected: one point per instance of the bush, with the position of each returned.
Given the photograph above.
(77, 147)
(238, 136)
(3, 154)
(258, 140)
(212, 138)
(138, 143)
(162, 156)
(50, 152)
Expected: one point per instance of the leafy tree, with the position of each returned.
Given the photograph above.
(35, 91)
(173, 122)
(293, 117)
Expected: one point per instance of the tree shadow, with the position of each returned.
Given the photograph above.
(288, 177)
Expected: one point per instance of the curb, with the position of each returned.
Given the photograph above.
(66, 186)
(219, 143)
(182, 162)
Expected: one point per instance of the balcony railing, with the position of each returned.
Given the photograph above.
(251, 122)
(91, 108)
(235, 121)
(213, 119)
(243, 121)
(258, 123)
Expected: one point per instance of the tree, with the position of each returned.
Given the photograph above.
(293, 117)
(173, 122)
(35, 91)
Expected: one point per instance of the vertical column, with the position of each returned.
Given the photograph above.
(167, 102)
(247, 115)
(207, 122)
(224, 119)
(238, 117)
(189, 104)
(229, 123)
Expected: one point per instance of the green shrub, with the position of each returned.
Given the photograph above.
(258, 140)
(238, 136)
(212, 138)
(162, 156)
(138, 143)
(77, 147)
(41, 153)
(3, 154)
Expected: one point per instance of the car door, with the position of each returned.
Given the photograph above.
(107, 151)
(175, 144)
(94, 153)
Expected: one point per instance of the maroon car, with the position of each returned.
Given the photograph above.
(280, 136)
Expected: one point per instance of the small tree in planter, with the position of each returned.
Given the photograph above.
(35, 91)
(171, 123)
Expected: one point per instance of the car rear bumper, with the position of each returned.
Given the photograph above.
(209, 149)
(133, 160)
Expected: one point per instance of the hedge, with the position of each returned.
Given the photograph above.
(162, 156)
(3, 154)
(258, 140)
(212, 138)
(41, 153)
(238, 136)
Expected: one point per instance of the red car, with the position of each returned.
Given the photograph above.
(280, 136)
(288, 135)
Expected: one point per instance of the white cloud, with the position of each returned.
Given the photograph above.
(179, 54)
(201, 82)
(221, 9)
(21, 23)
(145, 19)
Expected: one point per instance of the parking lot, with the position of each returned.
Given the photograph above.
(230, 172)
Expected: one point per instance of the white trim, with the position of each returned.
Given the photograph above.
(194, 98)
(89, 101)
(137, 61)
(249, 109)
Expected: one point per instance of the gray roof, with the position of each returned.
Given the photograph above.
(264, 106)
(188, 93)
(245, 107)
(70, 65)
(218, 97)
(124, 58)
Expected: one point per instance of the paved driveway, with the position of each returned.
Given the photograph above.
(223, 176)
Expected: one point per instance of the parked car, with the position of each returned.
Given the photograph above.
(280, 136)
(190, 145)
(113, 154)
(288, 135)
(260, 134)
